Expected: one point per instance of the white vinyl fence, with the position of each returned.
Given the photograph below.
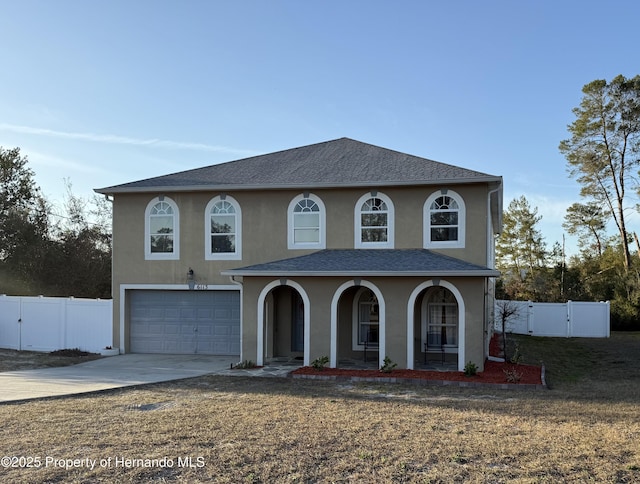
(570, 319)
(53, 323)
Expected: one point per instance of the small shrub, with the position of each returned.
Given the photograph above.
(320, 363)
(517, 356)
(245, 365)
(470, 369)
(512, 375)
(387, 365)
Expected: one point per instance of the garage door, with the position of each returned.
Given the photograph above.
(185, 322)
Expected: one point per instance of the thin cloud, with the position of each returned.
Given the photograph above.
(46, 160)
(122, 140)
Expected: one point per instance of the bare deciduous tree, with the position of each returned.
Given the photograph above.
(506, 312)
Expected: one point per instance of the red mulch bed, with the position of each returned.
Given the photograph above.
(494, 371)
(495, 345)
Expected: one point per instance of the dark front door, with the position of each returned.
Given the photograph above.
(297, 323)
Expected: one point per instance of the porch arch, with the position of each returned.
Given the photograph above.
(333, 351)
(307, 314)
(411, 313)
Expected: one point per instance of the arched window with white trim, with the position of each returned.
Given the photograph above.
(439, 320)
(162, 229)
(306, 223)
(444, 220)
(374, 222)
(223, 229)
(366, 320)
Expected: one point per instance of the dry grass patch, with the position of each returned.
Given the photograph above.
(12, 360)
(238, 429)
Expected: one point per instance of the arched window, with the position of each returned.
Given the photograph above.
(444, 220)
(223, 229)
(366, 320)
(306, 223)
(374, 222)
(162, 238)
(439, 319)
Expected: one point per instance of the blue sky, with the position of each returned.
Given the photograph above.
(106, 92)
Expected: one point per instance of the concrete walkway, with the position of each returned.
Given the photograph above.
(110, 372)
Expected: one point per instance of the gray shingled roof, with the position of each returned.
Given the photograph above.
(367, 262)
(337, 163)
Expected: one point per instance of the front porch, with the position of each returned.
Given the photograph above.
(357, 307)
(282, 365)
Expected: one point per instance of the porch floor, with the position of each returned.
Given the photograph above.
(279, 364)
(418, 365)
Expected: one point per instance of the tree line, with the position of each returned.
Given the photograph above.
(603, 155)
(49, 250)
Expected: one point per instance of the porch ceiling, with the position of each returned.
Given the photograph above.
(367, 262)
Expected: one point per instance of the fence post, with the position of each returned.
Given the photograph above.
(65, 312)
(20, 327)
(569, 319)
(530, 317)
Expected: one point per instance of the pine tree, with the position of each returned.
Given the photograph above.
(521, 251)
(604, 150)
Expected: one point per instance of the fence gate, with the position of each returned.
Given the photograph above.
(570, 319)
(49, 323)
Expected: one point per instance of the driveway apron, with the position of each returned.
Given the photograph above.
(105, 373)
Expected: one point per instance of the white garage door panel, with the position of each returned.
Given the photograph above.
(185, 322)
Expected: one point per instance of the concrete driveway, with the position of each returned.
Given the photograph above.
(105, 373)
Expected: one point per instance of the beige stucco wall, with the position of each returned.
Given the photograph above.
(264, 233)
(264, 217)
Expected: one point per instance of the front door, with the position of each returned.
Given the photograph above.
(297, 323)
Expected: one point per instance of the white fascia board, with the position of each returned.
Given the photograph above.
(485, 273)
(292, 186)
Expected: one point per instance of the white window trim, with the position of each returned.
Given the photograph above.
(175, 255)
(426, 222)
(208, 255)
(448, 348)
(355, 321)
(389, 244)
(322, 243)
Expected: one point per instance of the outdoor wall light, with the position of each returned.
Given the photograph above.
(191, 281)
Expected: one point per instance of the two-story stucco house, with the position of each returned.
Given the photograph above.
(333, 249)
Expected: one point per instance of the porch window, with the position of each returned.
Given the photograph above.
(442, 320)
(161, 229)
(442, 330)
(368, 319)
